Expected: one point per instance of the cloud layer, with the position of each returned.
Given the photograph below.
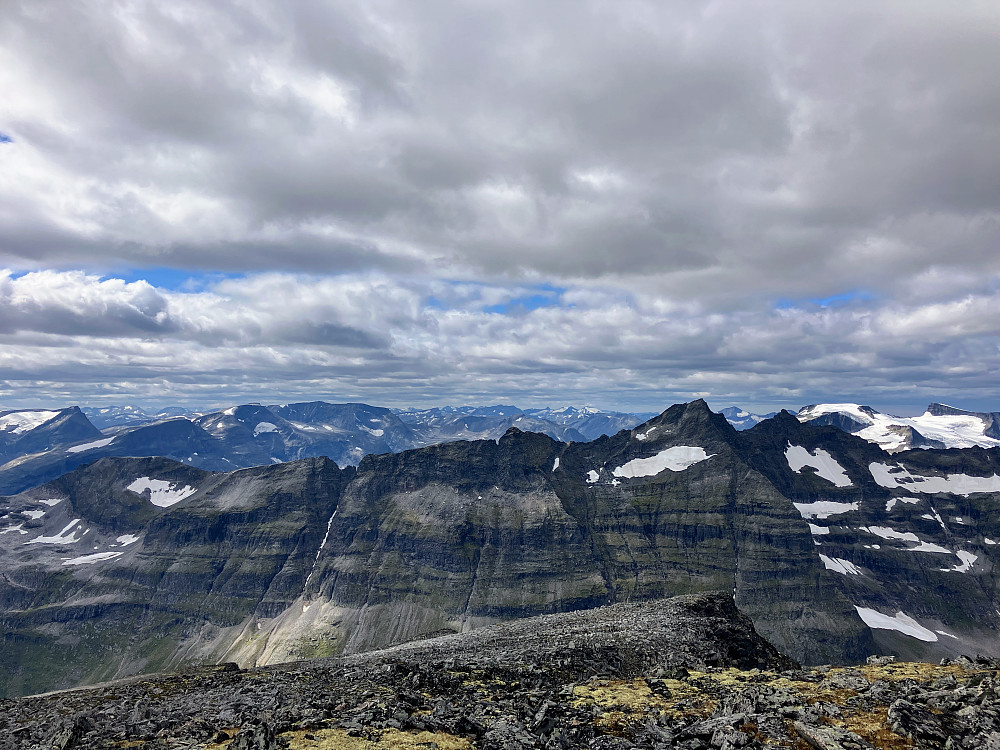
(396, 341)
(668, 188)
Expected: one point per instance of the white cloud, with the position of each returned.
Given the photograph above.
(678, 180)
(388, 339)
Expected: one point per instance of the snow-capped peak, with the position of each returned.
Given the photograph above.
(937, 427)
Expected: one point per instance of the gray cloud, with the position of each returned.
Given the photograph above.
(690, 174)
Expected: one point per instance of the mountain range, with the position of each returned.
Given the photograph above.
(833, 547)
(41, 444)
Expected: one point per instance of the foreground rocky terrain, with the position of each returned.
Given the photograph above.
(689, 672)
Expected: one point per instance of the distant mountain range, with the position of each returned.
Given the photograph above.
(41, 444)
(742, 419)
(834, 548)
(37, 445)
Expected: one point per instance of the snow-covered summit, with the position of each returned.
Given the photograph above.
(939, 426)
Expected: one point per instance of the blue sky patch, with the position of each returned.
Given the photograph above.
(525, 303)
(175, 279)
(834, 300)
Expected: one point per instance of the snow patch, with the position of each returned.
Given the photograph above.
(929, 547)
(592, 476)
(88, 559)
(825, 508)
(935, 516)
(887, 533)
(66, 536)
(891, 503)
(838, 565)
(162, 493)
(263, 427)
(555, 464)
(826, 465)
(818, 530)
(88, 446)
(677, 458)
(987, 540)
(19, 529)
(52, 501)
(126, 539)
(34, 515)
(956, 484)
(900, 622)
(965, 566)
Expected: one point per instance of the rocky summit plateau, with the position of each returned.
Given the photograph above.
(689, 672)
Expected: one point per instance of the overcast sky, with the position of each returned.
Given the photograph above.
(623, 204)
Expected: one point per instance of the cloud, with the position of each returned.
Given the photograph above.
(700, 146)
(378, 338)
(378, 175)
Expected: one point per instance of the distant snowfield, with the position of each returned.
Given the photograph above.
(954, 430)
(263, 427)
(826, 465)
(900, 622)
(24, 421)
(957, 484)
(88, 446)
(677, 458)
(161, 492)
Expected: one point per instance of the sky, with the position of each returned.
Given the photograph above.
(623, 204)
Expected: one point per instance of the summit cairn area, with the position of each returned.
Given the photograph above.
(688, 672)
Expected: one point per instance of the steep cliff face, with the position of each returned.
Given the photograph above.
(131, 565)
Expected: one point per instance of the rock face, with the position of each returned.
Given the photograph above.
(833, 548)
(689, 672)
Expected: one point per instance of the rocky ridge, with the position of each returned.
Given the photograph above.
(37, 446)
(832, 547)
(690, 672)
